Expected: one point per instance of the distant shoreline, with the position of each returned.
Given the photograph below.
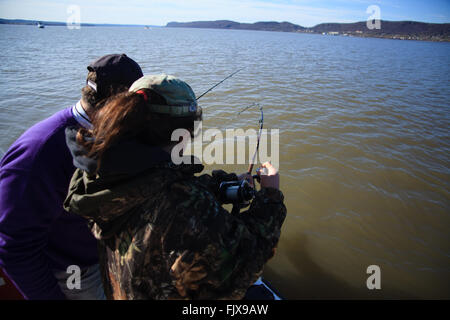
(64, 24)
(398, 30)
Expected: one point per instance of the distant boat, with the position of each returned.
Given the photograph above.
(40, 25)
(147, 27)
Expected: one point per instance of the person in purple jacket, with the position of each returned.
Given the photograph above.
(42, 247)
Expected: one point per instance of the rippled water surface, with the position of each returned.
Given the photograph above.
(364, 137)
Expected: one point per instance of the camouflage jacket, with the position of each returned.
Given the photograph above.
(164, 235)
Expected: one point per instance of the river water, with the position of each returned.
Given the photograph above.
(364, 137)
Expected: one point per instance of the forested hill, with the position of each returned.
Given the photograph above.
(389, 29)
(226, 24)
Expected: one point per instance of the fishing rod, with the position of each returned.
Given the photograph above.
(261, 124)
(219, 83)
(239, 193)
(261, 121)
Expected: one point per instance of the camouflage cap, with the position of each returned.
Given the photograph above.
(178, 94)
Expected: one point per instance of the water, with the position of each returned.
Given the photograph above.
(364, 138)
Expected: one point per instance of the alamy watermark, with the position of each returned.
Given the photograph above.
(234, 146)
(74, 280)
(374, 20)
(74, 19)
(374, 280)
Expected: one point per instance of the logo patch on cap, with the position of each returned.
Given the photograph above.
(193, 107)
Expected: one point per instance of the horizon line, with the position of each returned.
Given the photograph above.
(152, 25)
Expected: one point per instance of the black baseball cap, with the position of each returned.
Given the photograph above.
(114, 70)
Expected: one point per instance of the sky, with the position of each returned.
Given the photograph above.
(306, 13)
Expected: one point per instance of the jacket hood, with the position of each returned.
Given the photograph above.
(126, 158)
(126, 179)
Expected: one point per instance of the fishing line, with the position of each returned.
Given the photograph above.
(261, 120)
(234, 117)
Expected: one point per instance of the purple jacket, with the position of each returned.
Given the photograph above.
(36, 234)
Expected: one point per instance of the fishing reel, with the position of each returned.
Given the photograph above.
(236, 192)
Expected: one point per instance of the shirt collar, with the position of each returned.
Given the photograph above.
(81, 116)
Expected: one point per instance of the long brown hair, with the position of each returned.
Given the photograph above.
(126, 116)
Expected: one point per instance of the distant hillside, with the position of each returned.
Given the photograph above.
(389, 29)
(225, 24)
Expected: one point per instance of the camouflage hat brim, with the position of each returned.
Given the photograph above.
(176, 111)
(178, 94)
